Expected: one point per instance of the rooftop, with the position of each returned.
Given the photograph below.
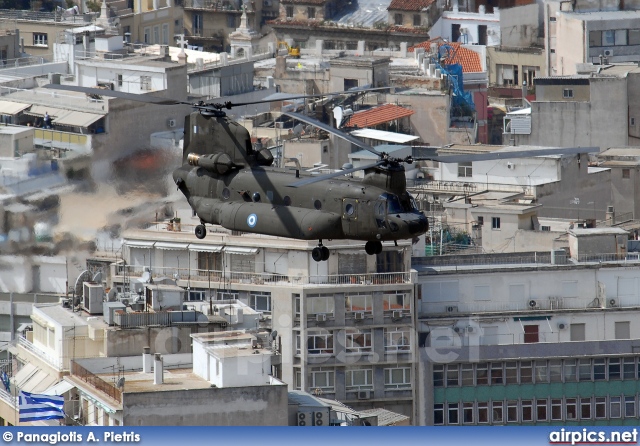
(601, 15)
(410, 5)
(469, 59)
(378, 115)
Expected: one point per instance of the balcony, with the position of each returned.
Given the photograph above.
(214, 5)
(225, 277)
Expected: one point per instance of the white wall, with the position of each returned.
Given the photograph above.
(15, 274)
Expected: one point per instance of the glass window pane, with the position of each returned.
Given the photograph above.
(595, 38)
(569, 370)
(572, 408)
(629, 406)
(614, 368)
(541, 372)
(541, 410)
(556, 409)
(512, 372)
(483, 412)
(527, 410)
(634, 37)
(438, 375)
(608, 38)
(629, 368)
(555, 370)
(621, 37)
(482, 374)
(601, 407)
(526, 372)
(438, 414)
(467, 374)
(467, 413)
(585, 408)
(584, 370)
(599, 371)
(614, 407)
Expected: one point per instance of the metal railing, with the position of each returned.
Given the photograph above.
(95, 381)
(24, 343)
(217, 276)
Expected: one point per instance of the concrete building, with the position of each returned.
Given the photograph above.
(343, 326)
(623, 163)
(536, 344)
(480, 28)
(605, 100)
(149, 23)
(9, 46)
(412, 14)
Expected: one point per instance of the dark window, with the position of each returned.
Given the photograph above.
(417, 20)
(289, 11)
(455, 32)
(531, 334)
(482, 35)
(495, 222)
(480, 221)
(350, 83)
(595, 38)
(438, 414)
(311, 13)
(626, 173)
(567, 93)
(397, 19)
(390, 262)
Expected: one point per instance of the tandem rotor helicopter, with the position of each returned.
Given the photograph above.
(229, 183)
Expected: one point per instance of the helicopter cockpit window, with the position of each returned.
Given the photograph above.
(393, 204)
(414, 204)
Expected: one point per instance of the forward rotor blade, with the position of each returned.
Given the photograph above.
(317, 178)
(507, 155)
(319, 95)
(118, 94)
(338, 133)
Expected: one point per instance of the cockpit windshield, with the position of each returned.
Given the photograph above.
(397, 206)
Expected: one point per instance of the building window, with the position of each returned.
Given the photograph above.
(452, 413)
(393, 301)
(541, 410)
(145, 83)
(570, 370)
(397, 339)
(289, 11)
(497, 376)
(466, 373)
(531, 334)
(495, 222)
(585, 408)
(545, 228)
(397, 378)
(497, 408)
(556, 409)
(526, 372)
(482, 374)
(348, 84)
(601, 407)
(453, 376)
(467, 413)
(231, 21)
(322, 378)
(438, 375)
(195, 294)
(357, 303)
(541, 371)
(634, 37)
(480, 219)
(119, 78)
(465, 170)
(595, 38)
(632, 121)
(629, 368)
(626, 174)
(397, 19)
(156, 35)
(552, 19)
(599, 369)
(311, 12)
(614, 368)
(608, 38)
(614, 407)
(359, 379)
(147, 35)
(555, 370)
(483, 413)
(320, 344)
(620, 37)
(40, 39)
(577, 332)
(629, 406)
(320, 304)
(358, 341)
(512, 411)
(584, 370)
(260, 301)
(572, 408)
(511, 368)
(567, 93)
(417, 20)
(227, 295)
(165, 34)
(527, 410)
(438, 414)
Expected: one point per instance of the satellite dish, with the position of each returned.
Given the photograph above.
(111, 297)
(274, 333)
(337, 115)
(120, 383)
(146, 277)
(97, 277)
(297, 130)
(85, 276)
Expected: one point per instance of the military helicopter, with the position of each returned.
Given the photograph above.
(228, 182)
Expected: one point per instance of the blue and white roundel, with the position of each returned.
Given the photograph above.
(252, 220)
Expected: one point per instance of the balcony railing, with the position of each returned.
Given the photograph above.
(262, 278)
(54, 362)
(95, 381)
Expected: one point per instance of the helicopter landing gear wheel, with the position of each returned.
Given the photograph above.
(325, 253)
(201, 231)
(373, 248)
(317, 254)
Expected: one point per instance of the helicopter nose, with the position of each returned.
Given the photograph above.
(419, 224)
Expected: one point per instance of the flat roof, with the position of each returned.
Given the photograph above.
(602, 15)
(597, 231)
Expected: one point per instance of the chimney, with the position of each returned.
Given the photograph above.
(158, 370)
(146, 360)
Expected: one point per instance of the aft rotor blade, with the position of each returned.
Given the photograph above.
(319, 95)
(507, 154)
(328, 176)
(117, 94)
(338, 133)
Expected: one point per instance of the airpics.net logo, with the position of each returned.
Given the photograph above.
(586, 436)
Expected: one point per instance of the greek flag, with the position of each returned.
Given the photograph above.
(35, 407)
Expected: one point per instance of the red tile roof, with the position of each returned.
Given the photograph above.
(378, 115)
(469, 59)
(410, 5)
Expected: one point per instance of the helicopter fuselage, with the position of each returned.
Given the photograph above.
(259, 200)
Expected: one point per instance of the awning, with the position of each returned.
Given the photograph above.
(138, 244)
(531, 318)
(12, 108)
(39, 111)
(59, 388)
(381, 135)
(77, 119)
(171, 245)
(205, 248)
(24, 375)
(240, 250)
(23, 327)
(39, 382)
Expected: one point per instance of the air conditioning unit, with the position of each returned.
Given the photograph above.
(318, 419)
(305, 419)
(457, 329)
(397, 314)
(452, 309)
(612, 303)
(364, 394)
(511, 166)
(321, 317)
(171, 123)
(562, 326)
(533, 304)
(470, 329)
(608, 53)
(359, 316)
